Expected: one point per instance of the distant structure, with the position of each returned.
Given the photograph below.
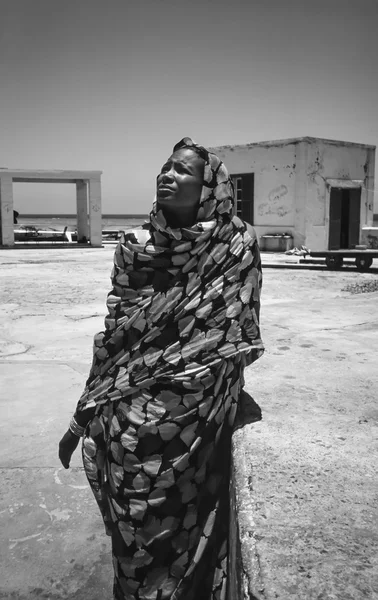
(88, 201)
(319, 192)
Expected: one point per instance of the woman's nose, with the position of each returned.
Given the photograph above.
(168, 176)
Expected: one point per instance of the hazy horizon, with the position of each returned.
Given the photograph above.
(113, 86)
(74, 215)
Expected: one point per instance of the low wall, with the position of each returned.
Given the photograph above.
(245, 581)
(369, 236)
(276, 243)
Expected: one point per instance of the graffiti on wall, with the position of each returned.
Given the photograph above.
(275, 204)
(316, 167)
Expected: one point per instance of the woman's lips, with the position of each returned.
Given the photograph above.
(165, 190)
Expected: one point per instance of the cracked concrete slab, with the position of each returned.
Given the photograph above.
(37, 406)
(310, 466)
(53, 542)
(305, 476)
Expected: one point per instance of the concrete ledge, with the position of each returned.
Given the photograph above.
(245, 577)
(245, 573)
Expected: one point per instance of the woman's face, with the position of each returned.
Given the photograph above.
(179, 186)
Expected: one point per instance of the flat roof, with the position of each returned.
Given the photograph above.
(289, 141)
(39, 175)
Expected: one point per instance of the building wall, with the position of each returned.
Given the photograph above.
(291, 189)
(341, 161)
(274, 169)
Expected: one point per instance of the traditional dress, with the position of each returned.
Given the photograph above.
(182, 323)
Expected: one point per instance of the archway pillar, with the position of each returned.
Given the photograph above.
(82, 211)
(95, 221)
(6, 210)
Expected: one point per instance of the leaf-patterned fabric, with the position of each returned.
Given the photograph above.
(183, 321)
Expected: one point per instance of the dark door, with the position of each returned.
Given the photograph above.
(244, 195)
(354, 216)
(344, 218)
(335, 219)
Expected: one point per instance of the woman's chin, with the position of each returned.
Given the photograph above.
(166, 202)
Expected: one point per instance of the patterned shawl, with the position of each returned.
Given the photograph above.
(181, 303)
(166, 377)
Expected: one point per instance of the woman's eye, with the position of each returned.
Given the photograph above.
(177, 168)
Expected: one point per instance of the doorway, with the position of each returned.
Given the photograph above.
(344, 218)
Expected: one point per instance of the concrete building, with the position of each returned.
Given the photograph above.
(320, 192)
(88, 200)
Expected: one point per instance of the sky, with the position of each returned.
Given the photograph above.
(112, 86)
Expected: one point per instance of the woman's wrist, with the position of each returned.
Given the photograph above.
(81, 419)
(75, 428)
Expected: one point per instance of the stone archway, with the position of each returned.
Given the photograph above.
(88, 201)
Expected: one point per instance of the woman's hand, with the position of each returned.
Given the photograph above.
(67, 446)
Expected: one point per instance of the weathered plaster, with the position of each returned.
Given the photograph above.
(301, 191)
(293, 182)
(274, 193)
(330, 166)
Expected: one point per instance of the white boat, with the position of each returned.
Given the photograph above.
(31, 233)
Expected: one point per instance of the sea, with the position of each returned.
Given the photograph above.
(59, 222)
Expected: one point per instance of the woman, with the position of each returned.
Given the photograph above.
(162, 394)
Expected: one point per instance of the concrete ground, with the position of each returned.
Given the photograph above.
(307, 471)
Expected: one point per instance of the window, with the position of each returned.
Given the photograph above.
(244, 196)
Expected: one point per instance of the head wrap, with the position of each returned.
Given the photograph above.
(217, 195)
(183, 302)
